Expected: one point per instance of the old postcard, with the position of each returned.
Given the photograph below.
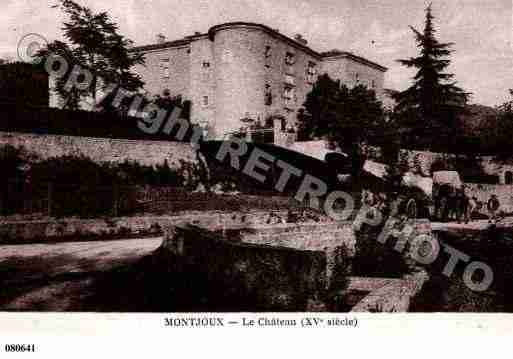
(255, 164)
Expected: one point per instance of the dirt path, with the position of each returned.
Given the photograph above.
(58, 277)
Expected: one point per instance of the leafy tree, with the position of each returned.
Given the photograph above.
(501, 132)
(24, 84)
(429, 108)
(14, 163)
(93, 42)
(345, 116)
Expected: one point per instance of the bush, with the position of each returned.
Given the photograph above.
(374, 259)
(79, 186)
(85, 188)
(470, 169)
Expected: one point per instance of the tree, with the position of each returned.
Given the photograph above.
(24, 84)
(345, 116)
(501, 132)
(429, 108)
(93, 42)
(507, 107)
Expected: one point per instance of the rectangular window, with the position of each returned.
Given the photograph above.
(205, 100)
(267, 56)
(373, 84)
(290, 79)
(268, 95)
(289, 62)
(311, 72)
(289, 95)
(357, 78)
(290, 58)
(267, 51)
(206, 64)
(164, 66)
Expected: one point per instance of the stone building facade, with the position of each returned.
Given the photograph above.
(240, 74)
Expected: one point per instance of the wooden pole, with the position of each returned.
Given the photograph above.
(50, 189)
(116, 199)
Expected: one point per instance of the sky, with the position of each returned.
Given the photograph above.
(481, 30)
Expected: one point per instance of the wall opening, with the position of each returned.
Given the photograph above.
(508, 177)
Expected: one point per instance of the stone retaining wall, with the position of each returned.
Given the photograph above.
(16, 231)
(240, 276)
(100, 150)
(336, 240)
(391, 295)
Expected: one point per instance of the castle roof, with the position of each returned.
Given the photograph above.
(328, 55)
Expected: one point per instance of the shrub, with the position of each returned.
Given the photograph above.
(470, 169)
(375, 259)
(79, 186)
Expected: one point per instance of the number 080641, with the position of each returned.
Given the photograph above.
(20, 348)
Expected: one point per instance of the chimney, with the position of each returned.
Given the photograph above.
(299, 38)
(161, 39)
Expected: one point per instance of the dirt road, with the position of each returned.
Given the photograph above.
(60, 277)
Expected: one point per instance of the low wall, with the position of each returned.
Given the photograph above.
(147, 153)
(242, 277)
(388, 295)
(333, 239)
(51, 230)
(299, 235)
(23, 231)
(173, 199)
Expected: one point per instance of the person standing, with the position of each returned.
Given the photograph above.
(470, 208)
(493, 206)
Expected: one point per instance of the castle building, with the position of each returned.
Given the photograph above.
(241, 74)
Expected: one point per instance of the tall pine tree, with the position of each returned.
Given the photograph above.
(428, 110)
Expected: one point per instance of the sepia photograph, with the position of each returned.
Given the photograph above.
(256, 156)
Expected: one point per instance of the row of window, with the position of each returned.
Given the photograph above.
(164, 67)
(311, 70)
(289, 95)
(290, 61)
